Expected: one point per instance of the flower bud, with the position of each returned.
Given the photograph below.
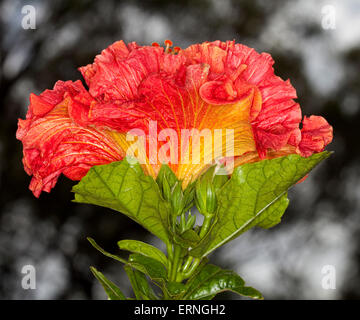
(206, 189)
(177, 199)
(205, 197)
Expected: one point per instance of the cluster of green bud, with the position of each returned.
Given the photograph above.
(171, 188)
(186, 223)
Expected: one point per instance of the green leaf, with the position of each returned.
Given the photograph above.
(151, 267)
(124, 187)
(212, 280)
(112, 291)
(140, 284)
(144, 249)
(134, 284)
(274, 213)
(255, 195)
(148, 266)
(110, 255)
(175, 289)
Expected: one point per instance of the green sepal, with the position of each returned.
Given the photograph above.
(186, 222)
(177, 199)
(189, 193)
(165, 173)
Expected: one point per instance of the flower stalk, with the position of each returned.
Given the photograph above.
(175, 263)
(206, 225)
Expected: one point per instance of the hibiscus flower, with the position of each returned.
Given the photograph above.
(212, 86)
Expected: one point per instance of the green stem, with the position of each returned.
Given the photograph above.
(175, 263)
(170, 254)
(187, 264)
(192, 263)
(169, 249)
(192, 269)
(176, 271)
(205, 226)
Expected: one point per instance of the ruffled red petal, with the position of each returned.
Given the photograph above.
(316, 134)
(118, 71)
(42, 104)
(55, 143)
(235, 69)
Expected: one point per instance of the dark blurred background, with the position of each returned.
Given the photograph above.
(321, 226)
